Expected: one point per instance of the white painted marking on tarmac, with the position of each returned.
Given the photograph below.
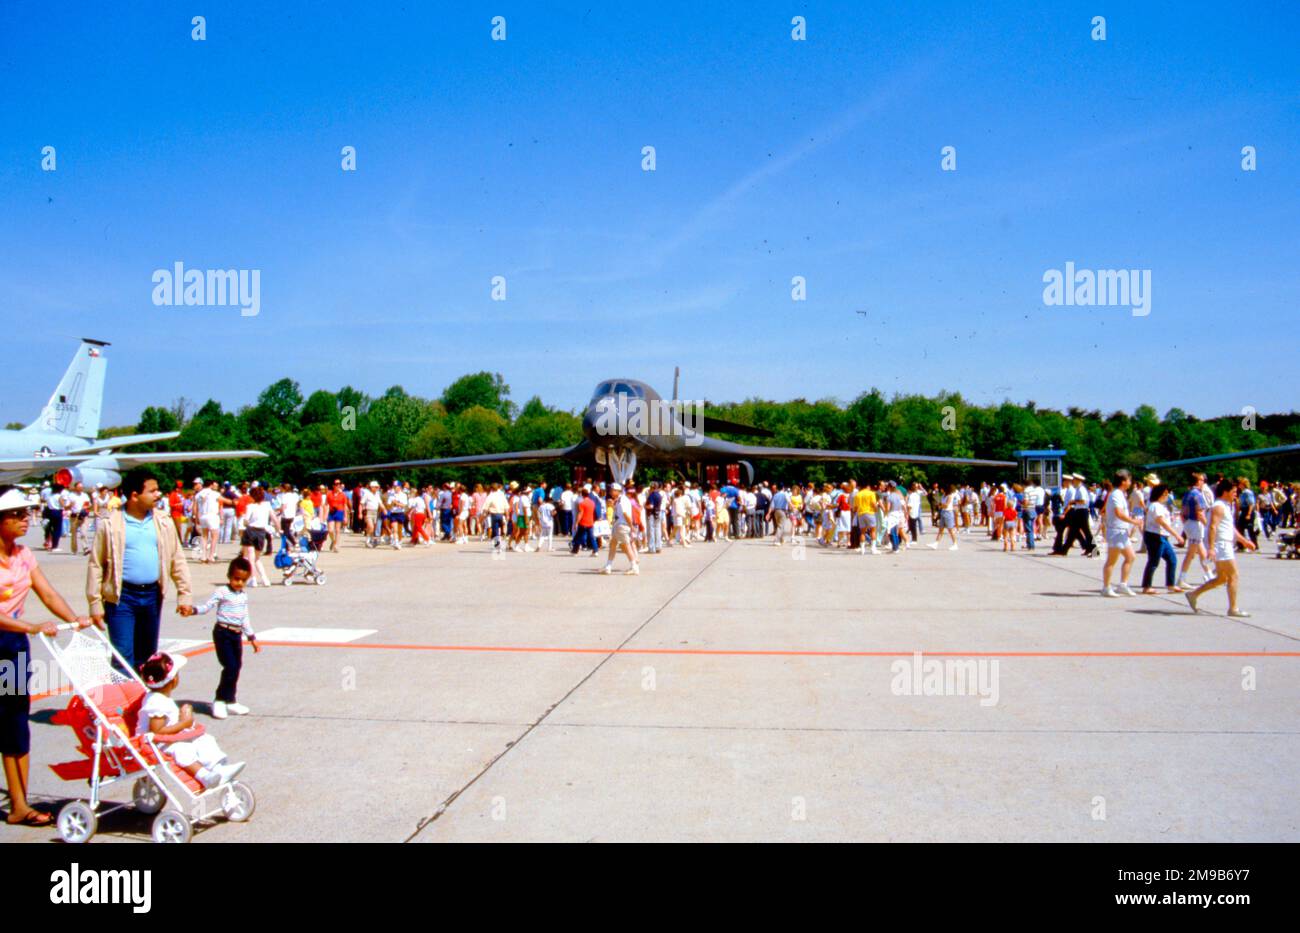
(315, 635)
(182, 644)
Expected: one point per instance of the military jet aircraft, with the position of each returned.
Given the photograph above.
(627, 423)
(61, 441)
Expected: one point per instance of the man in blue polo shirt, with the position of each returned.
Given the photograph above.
(124, 578)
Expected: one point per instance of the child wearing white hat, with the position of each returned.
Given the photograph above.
(202, 756)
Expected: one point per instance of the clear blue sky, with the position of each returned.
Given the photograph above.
(775, 158)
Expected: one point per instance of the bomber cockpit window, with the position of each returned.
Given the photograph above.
(622, 388)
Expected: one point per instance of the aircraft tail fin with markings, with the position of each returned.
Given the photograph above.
(74, 407)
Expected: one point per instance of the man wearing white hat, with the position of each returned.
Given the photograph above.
(370, 503)
(1076, 501)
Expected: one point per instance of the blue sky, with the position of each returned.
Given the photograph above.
(775, 158)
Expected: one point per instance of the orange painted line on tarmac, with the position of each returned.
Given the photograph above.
(784, 653)
(192, 653)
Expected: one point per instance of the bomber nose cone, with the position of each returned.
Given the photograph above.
(596, 422)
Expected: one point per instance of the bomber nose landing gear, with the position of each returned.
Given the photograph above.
(622, 463)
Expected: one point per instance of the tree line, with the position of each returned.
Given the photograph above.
(475, 415)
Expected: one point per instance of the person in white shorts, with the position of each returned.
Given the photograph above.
(546, 525)
(1118, 524)
(160, 715)
(207, 508)
(621, 517)
(1223, 537)
(1196, 513)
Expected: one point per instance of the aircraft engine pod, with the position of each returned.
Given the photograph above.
(90, 477)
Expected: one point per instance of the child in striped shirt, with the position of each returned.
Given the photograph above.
(232, 624)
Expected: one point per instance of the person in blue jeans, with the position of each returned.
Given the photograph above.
(1027, 505)
(1156, 532)
(654, 503)
(134, 551)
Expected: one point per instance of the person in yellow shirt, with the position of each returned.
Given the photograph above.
(864, 507)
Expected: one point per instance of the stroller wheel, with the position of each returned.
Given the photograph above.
(147, 796)
(238, 802)
(320, 579)
(171, 826)
(76, 822)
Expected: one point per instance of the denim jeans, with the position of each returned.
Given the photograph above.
(133, 622)
(1158, 549)
(654, 532)
(1027, 518)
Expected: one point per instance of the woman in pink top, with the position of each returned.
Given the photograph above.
(18, 576)
(478, 525)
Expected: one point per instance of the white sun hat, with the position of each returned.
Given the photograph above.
(17, 499)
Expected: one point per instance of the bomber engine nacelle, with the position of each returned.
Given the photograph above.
(90, 473)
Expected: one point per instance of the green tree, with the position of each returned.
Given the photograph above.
(484, 389)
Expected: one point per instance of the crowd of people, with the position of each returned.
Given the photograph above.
(869, 517)
(136, 537)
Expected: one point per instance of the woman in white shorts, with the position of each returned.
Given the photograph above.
(947, 520)
(1223, 535)
(462, 516)
(1118, 524)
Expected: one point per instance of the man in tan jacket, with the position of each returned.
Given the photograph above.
(135, 550)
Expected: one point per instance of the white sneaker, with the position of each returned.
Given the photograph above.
(953, 548)
(1109, 592)
(874, 549)
(1126, 590)
(227, 773)
(632, 571)
(607, 569)
(219, 710)
(934, 546)
(1238, 614)
(237, 709)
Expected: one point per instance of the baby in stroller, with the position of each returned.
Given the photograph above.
(300, 561)
(201, 756)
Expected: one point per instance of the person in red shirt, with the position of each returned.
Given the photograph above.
(586, 521)
(999, 513)
(337, 501)
(176, 505)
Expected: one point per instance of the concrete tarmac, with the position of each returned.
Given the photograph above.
(739, 692)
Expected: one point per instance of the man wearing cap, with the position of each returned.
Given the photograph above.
(133, 553)
(370, 503)
(1077, 503)
(336, 504)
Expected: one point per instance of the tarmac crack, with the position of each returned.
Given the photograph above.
(511, 746)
